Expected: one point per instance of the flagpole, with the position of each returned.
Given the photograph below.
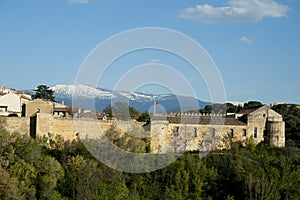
(154, 108)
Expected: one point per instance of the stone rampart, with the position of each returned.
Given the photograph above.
(68, 128)
(17, 124)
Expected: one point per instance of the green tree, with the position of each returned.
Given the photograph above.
(206, 109)
(9, 186)
(132, 111)
(44, 92)
(113, 191)
(134, 140)
(291, 116)
(252, 104)
(230, 108)
(144, 117)
(122, 111)
(220, 108)
(50, 172)
(26, 175)
(108, 110)
(80, 177)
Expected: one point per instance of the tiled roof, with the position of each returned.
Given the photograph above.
(247, 111)
(213, 120)
(250, 110)
(60, 107)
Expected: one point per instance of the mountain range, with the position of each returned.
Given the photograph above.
(96, 98)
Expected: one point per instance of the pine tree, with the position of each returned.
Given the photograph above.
(44, 92)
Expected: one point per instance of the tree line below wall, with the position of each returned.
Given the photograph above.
(51, 168)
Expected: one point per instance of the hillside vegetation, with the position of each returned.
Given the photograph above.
(50, 168)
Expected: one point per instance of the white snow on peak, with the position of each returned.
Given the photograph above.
(80, 90)
(91, 92)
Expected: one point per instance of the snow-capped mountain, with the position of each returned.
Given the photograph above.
(90, 98)
(81, 90)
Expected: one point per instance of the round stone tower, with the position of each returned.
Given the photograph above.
(276, 131)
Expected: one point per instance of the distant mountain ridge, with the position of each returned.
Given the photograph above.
(97, 98)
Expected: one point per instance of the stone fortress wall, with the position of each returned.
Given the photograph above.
(168, 133)
(168, 137)
(17, 124)
(174, 132)
(191, 132)
(68, 128)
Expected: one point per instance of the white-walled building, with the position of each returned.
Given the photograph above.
(13, 104)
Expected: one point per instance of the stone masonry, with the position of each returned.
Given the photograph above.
(196, 132)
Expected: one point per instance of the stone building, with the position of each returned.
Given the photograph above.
(169, 133)
(47, 107)
(12, 103)
(196, 132)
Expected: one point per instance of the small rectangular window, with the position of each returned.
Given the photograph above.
(195, 131)
(212, 132)
(3, 108)
(244, 132)
(231, 132)
(255, 132)
(176, 131)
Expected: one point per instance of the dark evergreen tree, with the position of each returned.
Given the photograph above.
(107, 110)
(144, 117)
(253, 104)
(121, 111)
(44, 92)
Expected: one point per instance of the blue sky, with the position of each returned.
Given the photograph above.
(254, 43)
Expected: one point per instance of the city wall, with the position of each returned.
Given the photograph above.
(166, 137)
(16, 124)
(68, 128)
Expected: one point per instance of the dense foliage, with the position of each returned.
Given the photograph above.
(291, 116)
(44, 92)
(144, 117)
(229, 107)
(120, 111)
(220, 109)
(55, 169)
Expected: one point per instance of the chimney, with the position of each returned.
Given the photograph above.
(63, 102)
